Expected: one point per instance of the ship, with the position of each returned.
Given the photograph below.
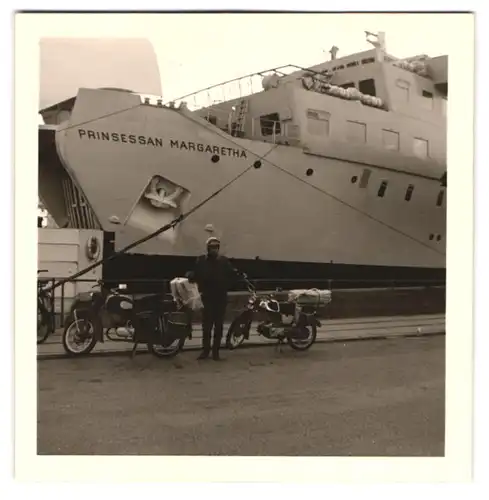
(329, 172)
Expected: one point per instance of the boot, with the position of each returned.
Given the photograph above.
(215, 353)
(204, 354)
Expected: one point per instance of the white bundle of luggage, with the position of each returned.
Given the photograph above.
(186, 294)
(310, 297)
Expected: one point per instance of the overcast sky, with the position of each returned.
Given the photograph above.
(197, 50)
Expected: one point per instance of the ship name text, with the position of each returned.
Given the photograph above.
(158, 142)
(207, 148)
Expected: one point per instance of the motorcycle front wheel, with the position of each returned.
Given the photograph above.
(237, 332)
(306, 343)
(79, 337)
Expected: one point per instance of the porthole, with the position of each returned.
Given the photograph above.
(438, 237)
(409, 192)
(257, 164)
(432, 236)
(354, 179)
(439, 199)
(215, 158)
(309, 172)
(382, 189)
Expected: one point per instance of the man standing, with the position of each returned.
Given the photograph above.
(214, 276)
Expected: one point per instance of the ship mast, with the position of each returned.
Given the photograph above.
(378, 42)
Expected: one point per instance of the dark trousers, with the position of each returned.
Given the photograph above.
(213, 317)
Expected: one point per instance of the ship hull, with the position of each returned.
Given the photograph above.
(276, 221)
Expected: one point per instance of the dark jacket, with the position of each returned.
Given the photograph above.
(214, 277)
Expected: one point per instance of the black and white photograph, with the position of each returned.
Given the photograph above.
(242, 239)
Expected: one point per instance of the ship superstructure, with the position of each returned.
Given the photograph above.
(347, 159)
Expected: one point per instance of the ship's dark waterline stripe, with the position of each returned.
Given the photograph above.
(145, 269)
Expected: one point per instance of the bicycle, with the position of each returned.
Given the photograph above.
(44, 311)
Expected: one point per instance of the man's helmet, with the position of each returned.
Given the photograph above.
(211, 240)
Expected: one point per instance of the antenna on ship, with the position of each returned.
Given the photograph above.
(378, 42)
(333, 51)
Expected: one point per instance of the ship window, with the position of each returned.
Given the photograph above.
(382, 189)
(368, 60)
(390, 139)
(365, 177)
(409, 192)
(347, 85)
(403, 87)
(444, 103)
(270, 124)
(420, 147)
(318, 122)
(213, 119)
(367, 87)
(351, 64)
(439, 199)
(427, 100)
(356, 132)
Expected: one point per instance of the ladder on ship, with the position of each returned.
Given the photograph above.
(238, 125)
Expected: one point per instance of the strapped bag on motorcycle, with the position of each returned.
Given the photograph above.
(187, 298)
(313, 297)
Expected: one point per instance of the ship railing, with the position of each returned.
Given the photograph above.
(234, 89)
(65, 294)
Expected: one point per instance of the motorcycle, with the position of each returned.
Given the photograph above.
(44, 311)
(149, 319)
(294, 322)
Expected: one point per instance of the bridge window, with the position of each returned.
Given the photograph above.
(420, 147)
(382, 189)
(352, 64)
(367, 87)
(365, 177)
(409, 192)
(368, 60)
(356, 132)
(444, 103)
(427, 100)
(439, 199)
(270, 124)
(347, 85)
(318, 122)
(390, 139)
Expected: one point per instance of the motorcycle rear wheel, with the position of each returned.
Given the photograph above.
(74, 332)
(304, 344)
(169, 351)
(166, 352)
